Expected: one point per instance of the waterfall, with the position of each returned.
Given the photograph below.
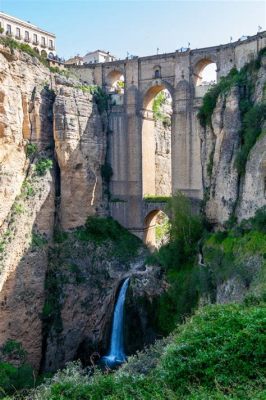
(116, 354)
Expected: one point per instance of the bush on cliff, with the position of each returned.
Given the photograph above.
(15, 373)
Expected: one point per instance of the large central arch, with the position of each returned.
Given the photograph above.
(156, 139)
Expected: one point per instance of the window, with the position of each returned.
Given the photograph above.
(43, 41)
(27, 36)
(157, 74)
(51, 44)
(17, 32)
(8, 29)
(35, 39)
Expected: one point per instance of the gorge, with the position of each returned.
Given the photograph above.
(85, 174)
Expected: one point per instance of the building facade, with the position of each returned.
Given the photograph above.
(42, 41)
(98, 56)
(77, 60)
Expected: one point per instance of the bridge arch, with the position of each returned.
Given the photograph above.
(115, 81)
(156, 225)
(152, 89)
(156, 133)
(205, 71)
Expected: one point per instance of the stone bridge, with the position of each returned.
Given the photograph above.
(132, 143)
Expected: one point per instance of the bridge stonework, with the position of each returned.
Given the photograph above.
(145, 76)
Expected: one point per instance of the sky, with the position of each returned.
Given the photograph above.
(139, 27)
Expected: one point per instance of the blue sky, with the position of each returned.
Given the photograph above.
(139, 27)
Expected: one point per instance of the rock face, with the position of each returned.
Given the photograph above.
(221, 147)
(80, 148)
(163, 180)
(64, 128)
(62, 123)
(225, 190)
(88, 276)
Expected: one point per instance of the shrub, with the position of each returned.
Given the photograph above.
(17, 208)
(253, 121)
(13, 44)
(259, 220)
(43, 165)
(210, 98)
(15, 378)
(38, 240)
(31, 149)
(185, 231)
(27, 189)
(100, 229)
(102, 100)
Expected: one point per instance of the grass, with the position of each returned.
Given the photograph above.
(217, 354)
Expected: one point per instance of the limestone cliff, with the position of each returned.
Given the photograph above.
(80, 150)
(57, 292)
(45, 120)
(227, 191)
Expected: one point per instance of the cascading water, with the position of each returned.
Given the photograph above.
(116, 354)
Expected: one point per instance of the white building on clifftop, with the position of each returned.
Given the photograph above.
(42, 41)
(98, 56)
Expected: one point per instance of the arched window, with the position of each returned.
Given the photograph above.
(157, 74)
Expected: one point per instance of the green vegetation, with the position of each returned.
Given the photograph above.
(157, 105)
(102, 100)
(27, 189)
(239, 253)
(31, 149)
(177, 259)
(252, 123)
(100, 229)
(25, 48)
(77, 255)
(218, 354)
(157, 108)
(14, 377)
(185, 231)
(156, 199)
(252, 116)
(43, 165)
(38, 240)
(17, 208)
(57, 70)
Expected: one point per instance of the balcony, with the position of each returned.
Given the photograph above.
(35, 43)
(18, 37)
(43, 45)
(9, 34)
(51, 47)
(27, 40)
